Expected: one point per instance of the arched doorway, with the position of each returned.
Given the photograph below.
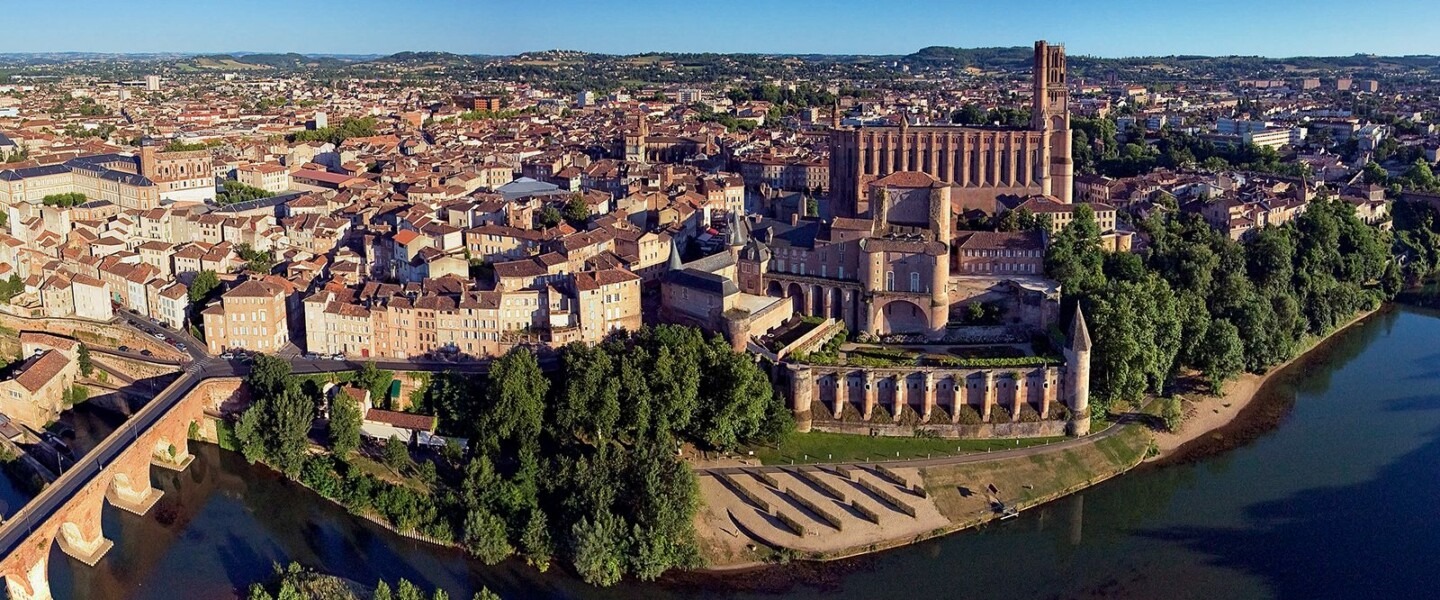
(796, 293)
(902, 316)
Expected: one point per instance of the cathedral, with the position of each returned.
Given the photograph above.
(892, 262)
(981, 163)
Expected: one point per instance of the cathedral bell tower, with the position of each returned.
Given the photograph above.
(1050, 113)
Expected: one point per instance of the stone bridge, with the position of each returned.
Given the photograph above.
(117, 471)
(68, 512)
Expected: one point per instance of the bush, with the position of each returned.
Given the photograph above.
(999, 414)
(967, 415)
(1172, 413)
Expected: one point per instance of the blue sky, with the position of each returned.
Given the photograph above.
(1097, 27)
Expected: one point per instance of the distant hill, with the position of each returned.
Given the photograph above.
(984, 58)
(266, 61)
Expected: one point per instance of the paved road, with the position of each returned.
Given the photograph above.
(193, 347)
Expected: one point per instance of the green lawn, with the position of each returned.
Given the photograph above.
(838, 447)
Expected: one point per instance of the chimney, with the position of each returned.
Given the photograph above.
(794, 218)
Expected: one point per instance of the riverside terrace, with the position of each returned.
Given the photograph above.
(1008, 390)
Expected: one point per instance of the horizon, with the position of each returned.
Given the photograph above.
(243, 53)
(1118, 29)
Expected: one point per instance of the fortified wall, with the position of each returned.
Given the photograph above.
(954, 402)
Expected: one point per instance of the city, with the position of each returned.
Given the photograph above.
(574, 324)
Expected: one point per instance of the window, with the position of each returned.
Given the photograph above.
(889, 281)
(914, 281)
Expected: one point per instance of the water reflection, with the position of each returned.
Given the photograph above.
(1336, 502)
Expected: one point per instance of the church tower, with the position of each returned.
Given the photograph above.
(1077, 374)
(635, 150)
(1050, 113)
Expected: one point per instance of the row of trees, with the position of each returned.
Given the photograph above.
(580, 464)
(335, 134)
(1417, 240)
(65, 200)
(1097, 149)
(294, 582)
(1197, 300)
(233, 192)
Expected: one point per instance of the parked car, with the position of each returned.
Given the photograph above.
(146, 352)
(180, 347)
(123, 348)
(227, 355)
(159, 336)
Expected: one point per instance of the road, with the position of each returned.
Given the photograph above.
(193, 347)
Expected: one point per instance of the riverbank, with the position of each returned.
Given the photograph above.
(754, 517)
(1214, 424)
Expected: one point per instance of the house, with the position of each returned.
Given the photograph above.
(380, 424)
(34, 393)
(250, 316)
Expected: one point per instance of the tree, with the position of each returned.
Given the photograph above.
(345, 421)
(1374, 173)
(82, 356)
(589, 402)
(597, 547)
(396, 455)
(549, 217)
(269, 375)
(576, 211)
(1172, 413)
(969, 114)
(202, 285)
(735, 395)
(406, 590)
(1222, 354)
(535, 541)
(486, 594)
(382, 591)
(485, 536)
(374, 380)
(517, 397)
(1075, 258)
(291, 415)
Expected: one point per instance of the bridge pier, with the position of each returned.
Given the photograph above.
(80, 535)
(32, 584)
(132, 491)
(172, 454)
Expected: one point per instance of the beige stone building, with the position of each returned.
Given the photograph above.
(270, 177)
(251, 316)
(34, 393)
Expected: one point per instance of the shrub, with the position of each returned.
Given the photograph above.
(967, 415)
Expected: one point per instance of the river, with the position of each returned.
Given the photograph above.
(1338, 501)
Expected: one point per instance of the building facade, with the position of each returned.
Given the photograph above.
(983, 163)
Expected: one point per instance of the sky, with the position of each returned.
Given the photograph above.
(1110, 28)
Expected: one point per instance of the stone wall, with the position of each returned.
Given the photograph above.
(896, 401)
(101, 334)
(1050, 428)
